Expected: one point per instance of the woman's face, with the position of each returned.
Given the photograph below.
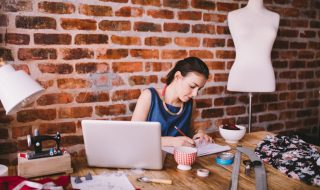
(189, 85)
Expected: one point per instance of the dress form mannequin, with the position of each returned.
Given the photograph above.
(253, 29)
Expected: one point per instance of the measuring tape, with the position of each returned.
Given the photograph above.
(225, 158)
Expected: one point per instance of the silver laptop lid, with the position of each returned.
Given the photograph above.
(123, 144)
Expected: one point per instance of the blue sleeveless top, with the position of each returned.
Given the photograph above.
(168, 121)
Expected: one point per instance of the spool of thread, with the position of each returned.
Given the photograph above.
(225, 158)
(202, 172)
(3, 170)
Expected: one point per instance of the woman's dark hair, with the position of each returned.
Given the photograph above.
(187, 65)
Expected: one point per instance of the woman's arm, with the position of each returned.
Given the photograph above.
(142, 108)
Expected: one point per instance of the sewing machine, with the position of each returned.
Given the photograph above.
(36, 142)
(43, 162)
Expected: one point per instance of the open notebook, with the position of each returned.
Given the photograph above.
(203, 149)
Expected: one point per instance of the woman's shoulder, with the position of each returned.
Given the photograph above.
(147, 93)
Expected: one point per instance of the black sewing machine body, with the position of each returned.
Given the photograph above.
(36, 142)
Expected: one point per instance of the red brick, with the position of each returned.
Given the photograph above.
(305, 74)
(203, 103)
(213, 42)
(223, 30)
(22, 67)
(145, 53)
(214, 17)
(55, 68)
(214, 90)
(4, 133)
(54, 98)
(308, 34)
(203, 28)
(275, 127)
(86, 97)
(220, 77)
(187, 42)
(212, 113)
(95, 10)
(26, 54)
(146, 27)
(112, 53)
(81, 39)
(288, 33)
(76, 53)
(306, 55)
(162, 13)
(158, 66)
(215, 65)
(125, 40)
(114, 25)
(279, 44)
(92, 67)
(53, 128)
(30, 22)
(18, 39)
(8, 147)
(291, 12)
(227, 6)
(173, 54)
(225, 101)
(189, 15)
(6, 54)
(71, 83)
(129, 12)
(115, 109)
(294, 105)
(127, 67)
(180, 4)
(288, 74)
(202, 54)
(299, 23)
(298, 45)
(71, 140)
(22, 131)
(314, 45)
(125, 95)
(225, 54)
(46, 84)
(312, 84)
(4, 21)
(34, 114)
(287, 115)
(297, 64)
(280, 64)
(176, 27)
(147, 2)
(75, 112)
(288, 54)
(17, 6)
(142, 80)
(116, 1)
(202, 124)
(78, 24)
(157, 41)
(281, 1)
(278, 106)
(267, 117)
(56, 7)
(49, 39)
(203, 4)
(236, 110)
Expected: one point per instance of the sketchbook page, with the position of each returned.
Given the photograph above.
(203, 149)
(102, 182)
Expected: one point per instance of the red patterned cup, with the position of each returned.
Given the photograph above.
(185, 157)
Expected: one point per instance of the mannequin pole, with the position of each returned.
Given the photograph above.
(250, 112)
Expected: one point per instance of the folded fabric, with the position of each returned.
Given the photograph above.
(20, 183)
(291, 156)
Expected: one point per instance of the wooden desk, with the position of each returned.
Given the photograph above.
(219, 177)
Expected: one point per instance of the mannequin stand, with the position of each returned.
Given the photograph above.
(250, 111)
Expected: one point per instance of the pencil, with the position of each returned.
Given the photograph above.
(182, 133)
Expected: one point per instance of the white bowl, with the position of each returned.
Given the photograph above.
(3, 170)
(232, 136)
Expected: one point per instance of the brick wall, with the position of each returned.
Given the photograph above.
(94, 58)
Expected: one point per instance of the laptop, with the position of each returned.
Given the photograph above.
(123, 144)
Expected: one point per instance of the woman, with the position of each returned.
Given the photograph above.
(172, 105)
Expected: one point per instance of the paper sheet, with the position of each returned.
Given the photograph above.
(203, 149)
(102, 182)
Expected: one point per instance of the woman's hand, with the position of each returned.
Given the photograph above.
(177, 141)
(203, 137)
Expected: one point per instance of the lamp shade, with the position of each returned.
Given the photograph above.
(17, 89)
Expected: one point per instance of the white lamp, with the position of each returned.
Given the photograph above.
(17, 89)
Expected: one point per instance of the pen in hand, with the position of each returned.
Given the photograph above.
(182, 133)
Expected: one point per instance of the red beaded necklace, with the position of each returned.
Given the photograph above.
(164, 103)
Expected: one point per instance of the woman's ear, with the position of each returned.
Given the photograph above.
(178, 75)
